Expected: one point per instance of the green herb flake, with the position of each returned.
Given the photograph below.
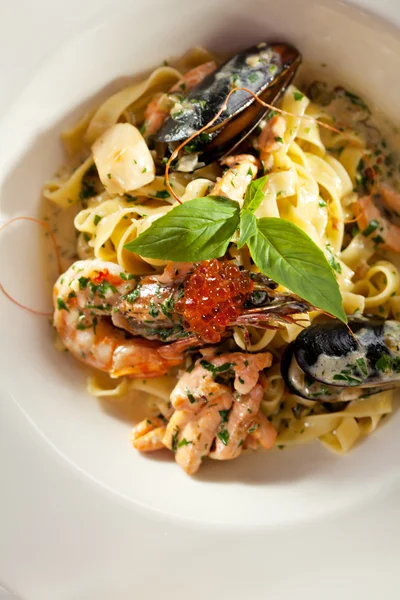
(162, 194)
(383, 363)
(298, 96)
(190, 368)
(97, 219)
(321, 203)
(224, 414)
(223, 436)
(278, 139)
(61, 305)
(253, 77)
(134, 295)
(83, 281)
(126, 276)
(335, 264)
(372, 225)
(190, 396)
(184, 442)
(362, 365)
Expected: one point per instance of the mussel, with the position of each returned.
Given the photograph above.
(329, 362)
(265, 69)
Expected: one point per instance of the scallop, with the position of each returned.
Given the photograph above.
(123, 160)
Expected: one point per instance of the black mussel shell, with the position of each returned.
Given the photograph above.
(330, 354)
(265, 69)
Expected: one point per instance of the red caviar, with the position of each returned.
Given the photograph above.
(213, 298)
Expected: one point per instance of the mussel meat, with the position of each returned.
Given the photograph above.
(329, 362)
(265, 69)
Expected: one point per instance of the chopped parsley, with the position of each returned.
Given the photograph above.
(83, 281)
(174, 440)
(61, 305)
(190, 368)
(321, 202)
(278, 139)
(96, 219)
(162, 194)
(362, 365)
(109, 175)
(253, 77)
(144, 170)
(335, 264)
(153, 310)
(126, 276)
(190, 396)
(184, 442)
(383, 363)
(223, 436)
(216, 370)
(224, 415)
(372, 225)
(298, 96)
(134, 295)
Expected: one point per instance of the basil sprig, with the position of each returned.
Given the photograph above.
(199, 229)
(202, 229)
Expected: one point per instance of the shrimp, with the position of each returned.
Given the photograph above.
(244, 420)
(199, 386)
(233, 184)
(208, 410)
(160, 106)
(371, 211)
(147, 436)
(85, 296)
(271, 136)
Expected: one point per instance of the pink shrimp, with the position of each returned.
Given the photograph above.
(208, 412)
(159, 108)
(233, 183)
(84, 296)
(369, 209)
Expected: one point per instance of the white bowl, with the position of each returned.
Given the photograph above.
(258, 490)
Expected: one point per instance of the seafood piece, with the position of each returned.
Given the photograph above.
(233, 184)
(97, 304)
(330, 363)
(159, 108)
(122, 159)
(265, 69)
(85, 296)
(204, 382)
(206, 299)
(271, 136)
(378, 218)
(207, 409)
(147, 436)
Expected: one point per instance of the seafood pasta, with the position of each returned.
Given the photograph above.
(228, 239)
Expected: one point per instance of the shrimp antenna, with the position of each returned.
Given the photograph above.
(58, 258)
(175, 153)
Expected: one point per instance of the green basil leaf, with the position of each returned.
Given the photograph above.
(282, 251)
(199, 229)
(255, 193)
(248, 227)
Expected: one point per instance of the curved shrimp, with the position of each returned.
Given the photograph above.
(207, 410)
(370, 217)
(85, 297)
(159, 108)
(233, 183)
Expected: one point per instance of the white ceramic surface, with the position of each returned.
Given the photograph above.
(262, 495)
